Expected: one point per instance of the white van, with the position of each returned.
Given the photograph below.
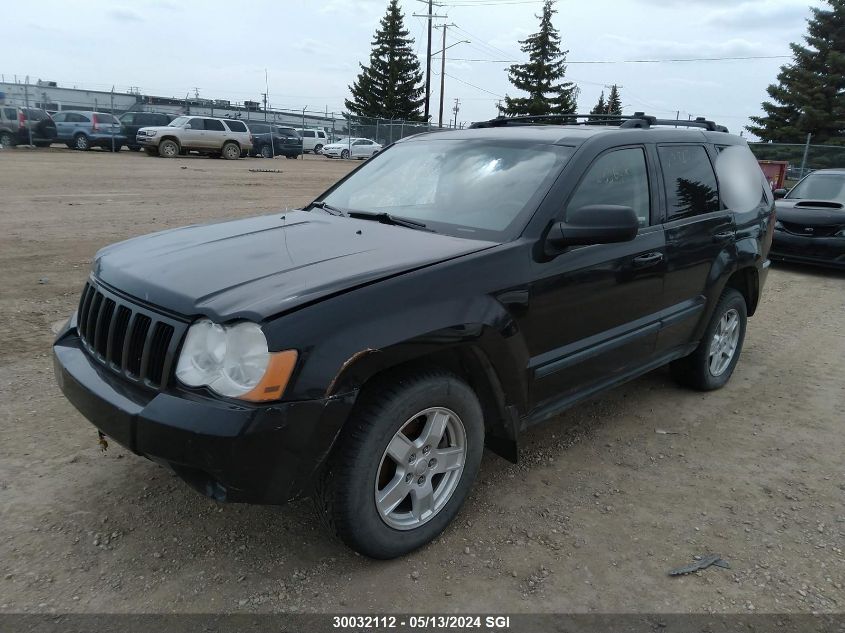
(313, 140)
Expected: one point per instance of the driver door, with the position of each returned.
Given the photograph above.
(593, 313)
(194, 137)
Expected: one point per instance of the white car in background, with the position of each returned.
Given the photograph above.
(313, 140)
(352, 148)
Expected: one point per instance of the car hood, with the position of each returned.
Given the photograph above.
(810, 212)
(259, 267)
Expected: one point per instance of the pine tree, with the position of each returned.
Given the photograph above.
(390, 87)
(810, 94)
(614, 101)
(601, 106)
(541, 77)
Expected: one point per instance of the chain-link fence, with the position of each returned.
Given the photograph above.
(802, 158)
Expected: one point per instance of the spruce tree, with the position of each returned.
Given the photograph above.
(390, 86)
(614, 101)
(601, 106)
(810, 94)
(541, 77)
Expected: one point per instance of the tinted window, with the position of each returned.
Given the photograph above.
(308, 133)
(73, 117)
(691, 186)
(214, 125)
(102, 117)
(258, 128)
(59, 117)
(287, 131)
(236, 126)
(11, 113)
(130, 118)
(196, 124)
(34, 114)
(619, 177)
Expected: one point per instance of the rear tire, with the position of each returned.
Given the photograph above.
(713, 362)
(266, 151)
(231, 151)
(168, 149)
(81, 143)
(404, 463)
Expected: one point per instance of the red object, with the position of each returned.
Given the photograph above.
(96, 123)
(21, 119)
(775, 172)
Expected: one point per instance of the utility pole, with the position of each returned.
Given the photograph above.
(196, 93)
(456, 109)
(442, 71)
(429, 16)
(26, 100)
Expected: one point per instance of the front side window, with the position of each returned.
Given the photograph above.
(619, 177)
(180, 121)
(691, 187)
(59, 117)
(472, 188)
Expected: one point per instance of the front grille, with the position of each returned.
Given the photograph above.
(811, 231)
(129, 339)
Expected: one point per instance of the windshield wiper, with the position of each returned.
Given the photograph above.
(388, 218)
(325, 206)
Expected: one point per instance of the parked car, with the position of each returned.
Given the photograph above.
(228, 138)
(496, 276)
(352, 148)
(313, 140)
(810, 225)
(16, 125)
(83, 130)
(131, 122)
(286, 140)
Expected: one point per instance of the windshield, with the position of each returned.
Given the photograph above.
(820, 187)
(179, 121)
(471, 188)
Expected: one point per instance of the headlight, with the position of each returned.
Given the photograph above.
(839, 233)
(233, 360)
(151, 133)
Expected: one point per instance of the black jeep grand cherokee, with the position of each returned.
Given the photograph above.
(447, 294)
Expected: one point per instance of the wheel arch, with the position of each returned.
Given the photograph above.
(746, 281)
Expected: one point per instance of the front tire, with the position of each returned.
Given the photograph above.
(403, 464)
(7, 140)
(168, 149)
(344, 153)
(318, 148)
(81, 143)
(713, 362)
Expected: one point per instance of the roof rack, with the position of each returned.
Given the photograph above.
(636, 120)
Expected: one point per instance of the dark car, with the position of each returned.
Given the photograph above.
(131, 122)
(810, 227)
(286, 141)
(452, 291)
(25, 126)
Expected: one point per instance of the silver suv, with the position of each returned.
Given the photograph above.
(213, 137)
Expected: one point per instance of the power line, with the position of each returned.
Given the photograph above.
(474, 86)
(633, 61)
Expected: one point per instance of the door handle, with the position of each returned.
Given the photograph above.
(722, 236)
(648, 259)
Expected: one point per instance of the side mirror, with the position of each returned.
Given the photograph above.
(780, 193)
(595, 224)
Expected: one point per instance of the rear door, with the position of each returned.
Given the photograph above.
(594, 310)
(215, 134)
(698, 229)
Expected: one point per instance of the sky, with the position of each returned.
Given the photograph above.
(310, 50)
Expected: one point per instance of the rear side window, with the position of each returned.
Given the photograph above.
(619, 177)
(308, 133)
(34, 114)
(287, 131)
(691, 187)
(258, 128)
(236, 126)
(214, 125)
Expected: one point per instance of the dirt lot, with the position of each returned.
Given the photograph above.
(600, 507)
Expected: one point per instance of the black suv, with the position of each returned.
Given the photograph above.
(286, 141)
(131, 122)
(453, 290)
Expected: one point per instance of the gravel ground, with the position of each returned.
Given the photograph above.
(606, 499)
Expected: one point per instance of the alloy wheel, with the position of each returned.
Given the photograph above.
(724, 342)
(420, 468)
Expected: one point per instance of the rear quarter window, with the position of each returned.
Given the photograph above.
(214, 125)
(236, 126)
(690, 181)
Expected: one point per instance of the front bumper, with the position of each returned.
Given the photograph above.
(819, 251)
(243, 453)
(332, 153)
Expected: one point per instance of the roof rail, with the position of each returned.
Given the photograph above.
(636, 120)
